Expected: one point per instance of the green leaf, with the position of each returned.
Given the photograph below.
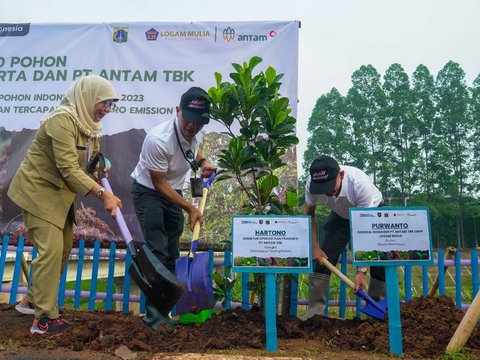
(291, 198)
(254, 61)
(270, 75)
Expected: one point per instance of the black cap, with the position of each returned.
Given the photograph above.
(195, 106)
(323, 174)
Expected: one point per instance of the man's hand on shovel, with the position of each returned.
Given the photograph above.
(318, 254)
(360, 282)
(194, 215)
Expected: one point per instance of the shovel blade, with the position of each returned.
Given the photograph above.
(158, 284)
(194, 274)
(378, 311)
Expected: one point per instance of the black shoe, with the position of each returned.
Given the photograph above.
(44, 325)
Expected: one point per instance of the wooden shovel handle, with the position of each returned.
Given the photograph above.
(338, 273)
(201, 207)
(466, 326)
(448, 256)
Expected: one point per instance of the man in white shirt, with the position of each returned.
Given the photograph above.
(169, 152)
(339, 188)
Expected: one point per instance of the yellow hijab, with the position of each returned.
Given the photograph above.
(79, 103)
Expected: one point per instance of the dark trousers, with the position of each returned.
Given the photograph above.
(337, 236)
(161, 223)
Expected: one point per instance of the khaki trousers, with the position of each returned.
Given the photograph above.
(54, 246)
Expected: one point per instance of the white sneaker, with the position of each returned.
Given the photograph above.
(25, 307)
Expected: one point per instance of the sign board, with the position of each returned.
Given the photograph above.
(391, 236)
(278, 244)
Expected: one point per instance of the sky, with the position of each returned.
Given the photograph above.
(337, 37)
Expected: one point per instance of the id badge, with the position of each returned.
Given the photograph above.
(196, 187)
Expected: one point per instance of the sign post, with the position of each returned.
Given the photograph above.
(391, 237)
(271, 245)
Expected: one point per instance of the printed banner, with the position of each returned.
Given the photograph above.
(150, 65)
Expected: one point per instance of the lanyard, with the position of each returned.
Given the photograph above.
(193, 164)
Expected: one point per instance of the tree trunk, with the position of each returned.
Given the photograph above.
(286, 296)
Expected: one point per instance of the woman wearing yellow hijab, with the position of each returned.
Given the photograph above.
(46, 184)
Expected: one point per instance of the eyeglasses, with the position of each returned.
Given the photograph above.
(109, 104)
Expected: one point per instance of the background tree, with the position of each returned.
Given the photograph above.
(417, 140)
(455, 130)
(329, 128)
(424, 108)
(475, 115)
(366, 100)
(401, 138)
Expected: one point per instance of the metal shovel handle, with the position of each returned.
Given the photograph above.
(119, 218)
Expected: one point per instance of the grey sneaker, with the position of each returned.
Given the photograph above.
(25, 307)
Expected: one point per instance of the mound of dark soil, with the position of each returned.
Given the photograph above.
(427, 326)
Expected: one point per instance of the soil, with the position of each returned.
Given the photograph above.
(428, 324)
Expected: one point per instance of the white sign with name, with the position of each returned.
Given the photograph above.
(390, 234)
(271, 241)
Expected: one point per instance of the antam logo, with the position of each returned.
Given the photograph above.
(229, 34)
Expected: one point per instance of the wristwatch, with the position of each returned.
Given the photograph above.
(362, 269)
(200, 162)
(100, 192)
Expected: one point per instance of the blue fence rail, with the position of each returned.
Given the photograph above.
(126, 297)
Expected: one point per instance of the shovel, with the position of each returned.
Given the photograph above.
(158, 284)
(373, 308)
(193, 270)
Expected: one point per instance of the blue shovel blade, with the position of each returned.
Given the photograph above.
(377, 311)
(197, 279)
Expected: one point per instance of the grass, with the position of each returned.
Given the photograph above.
(85, 286)
(5, 344)
(459, 355)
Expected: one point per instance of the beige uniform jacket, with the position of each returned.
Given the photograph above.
(52, 172)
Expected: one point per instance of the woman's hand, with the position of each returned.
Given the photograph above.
(111, 203)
